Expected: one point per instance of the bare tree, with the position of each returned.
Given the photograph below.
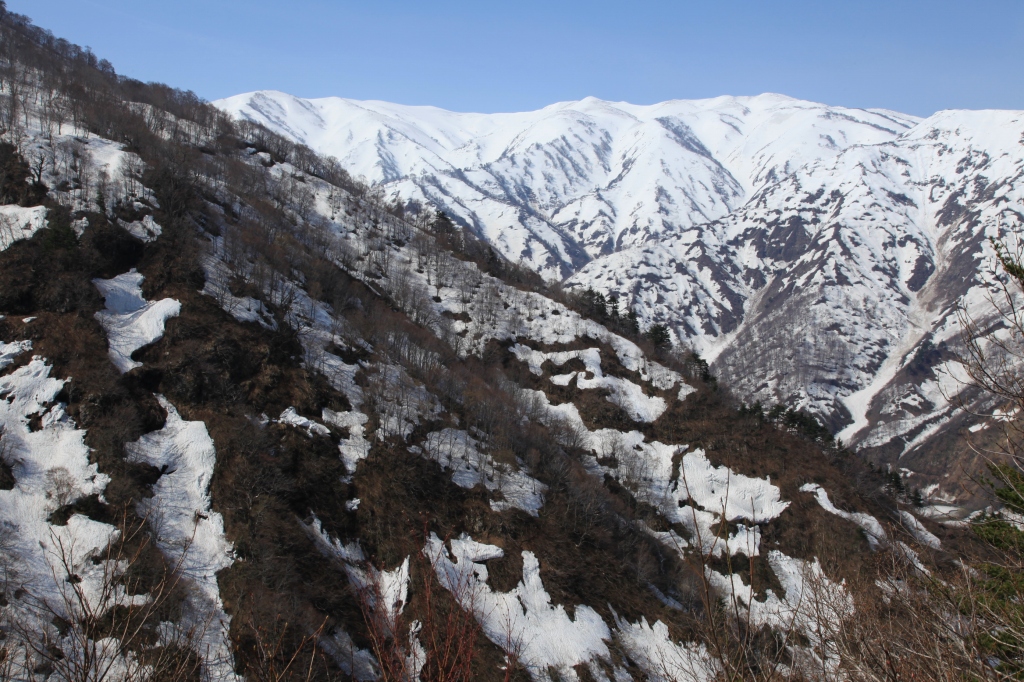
(919, 627)
(60, 487)
(129, 174)
(10, 231)
(280, 651)
(993, 355)
(438, 648)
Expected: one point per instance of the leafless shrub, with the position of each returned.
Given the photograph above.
(277, 650)
(94, 630)
(438, 648)
(60, 487)
(917, 626)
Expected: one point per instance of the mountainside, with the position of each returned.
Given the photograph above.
(813, 254)
(260, 424)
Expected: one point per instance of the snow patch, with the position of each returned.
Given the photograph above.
(522, 621)
(647, 469)
(355, 447)
(10, 351)
(385, 592)
(458, 452)
(622, 392)
(869, 524)
(917, 529)
(663, 660)
(293, 418)
(51, 469)
(242, 308)
(734, 495)
(129, 320)
(18, 223)
(360, 664)
(399, 401)
(146, 230)
(811, 605)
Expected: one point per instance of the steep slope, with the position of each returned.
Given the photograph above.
(560, 507)
(828, 285)
(255, 426)
(813, 254)
(304, 430)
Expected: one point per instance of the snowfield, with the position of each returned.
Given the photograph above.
(735, 495)
(631, 173)
(918, 531)
(242, 308)
(51, 468)
(293, 418)
(355, 447)
(646, 467)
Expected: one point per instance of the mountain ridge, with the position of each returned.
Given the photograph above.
(578, 166)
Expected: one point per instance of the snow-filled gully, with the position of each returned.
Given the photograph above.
(187, 531)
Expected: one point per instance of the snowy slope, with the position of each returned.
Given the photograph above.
(815, 254)
(582, 183)
(832, 288)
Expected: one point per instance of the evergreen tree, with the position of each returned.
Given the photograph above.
(613, 306)
(442, 224)
(659, 336)
(632, 323)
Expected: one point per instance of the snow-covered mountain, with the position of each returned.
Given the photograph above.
(559, 187)
(828, 282)
(815, 254)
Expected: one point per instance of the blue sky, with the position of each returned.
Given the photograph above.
(912, 56)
